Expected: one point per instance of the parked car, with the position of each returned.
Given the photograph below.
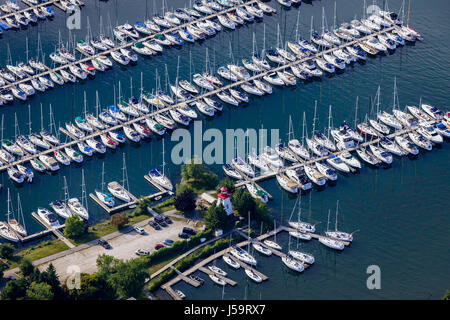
(189, 231)
(161, 223)
(183, 235)
(104, 243)
(154, 225)
(168, 242)
(142, 252)
(166, 218)
(139, 229)
(159, 246)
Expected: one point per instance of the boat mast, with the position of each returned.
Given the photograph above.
(303, 128)
(263, 52)
(330, 122)
(103, 176)
(66, 190)
(334, 17)
(29, 119)
(84, 202)
(336, 222)
(296, 29)
(356, 111)
(42, 119)
(16, 126)
(97, 103)
(9, 205)
(291, 130)
(311, 31)
(163, 161)
(124, 174)
(85, 105)
(20, 217)
(328, 222)
(142, 88)
(314, 119)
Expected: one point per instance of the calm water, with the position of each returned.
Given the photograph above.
(400, 212)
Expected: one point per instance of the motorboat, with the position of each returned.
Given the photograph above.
(299, 177)
(343, 138)
(77, 208)
(381, 154)
(292, 263)
(270, 156)
(48, 217)
(406, 145)
(73, 155)
(49, 162)
(314, 175)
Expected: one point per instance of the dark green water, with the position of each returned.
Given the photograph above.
(401, 212)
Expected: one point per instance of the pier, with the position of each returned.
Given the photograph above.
(55, 230)
(30, 7)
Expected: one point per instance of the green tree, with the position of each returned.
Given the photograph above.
(228, 183)
(50, 277)
(185, 202)
(119, 220)
(2, 268)
(446, 295)
(39, 291)
(106, 265)
(74, 227)
(92, 287)
(217, 218)
(26, 267)
(198, 175)
(243, 202)
(15, 290)
(129, 278)
(6, 251)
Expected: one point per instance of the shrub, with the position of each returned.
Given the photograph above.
(185, 201)
(74, 227)
(119, 220)
(6, 251)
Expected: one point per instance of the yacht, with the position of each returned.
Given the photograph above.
(94, 122)
(235, 18)
(303, 257)
(299, 177)
(299, 149)
(315, 176)
(350, 160)
(96, 146)
(118, 191)
(273, 56)
(202, 82)
(187, 111)
(77, 208)
(6, 157)
(61, 209)
(213, 103)
(366, 129)
(286, 183)
(242, 166)
(381, 154)
(85, 149)
(319, 40)
(154, 126)
(273, 79)
(48, 217)
(107, 118)
(325, 66)
(367, 157)
(108, 141)
(27, 172)
(49, 162)
(285, 153)
(406, 145)
(442, 129)
(15, 175)
(67, 76)
(85, 47)
(342, 138)
(288, 78)
(387, 42)
(300, 234)
(232, 263)
(131, 134)
(329, 173)
(160, 178)
(117, 113)
(74, 131)
(406, 119)
(252, 275)
(12, 147)
(73, 155)
(260, 62)
(321, 139)
(217, 270)
(242, 255)
(377, 45)
(292, 263)
(257, 193)
(434, 112)
(119, 57)
(420, 141)
(391, 146)
(227, 98)
(83, 125)
(105, 198)
(357, 52)
(231, 172)
(257, 162)
(337, 163)
(61, 157)
(430, 133)
(331, 243)
(270, 156)
(316, 148)
(272, 244)
(419, 114)
(396, 38)
(389, 120)
(25, 144)
(378, 126)
(226, 22)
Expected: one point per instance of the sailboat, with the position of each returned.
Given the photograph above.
(119, 190)
(15, 223)
(293, 144)
(60, 207)
(301, 256)
(299, 225)
(77, 207)
(339, 235)
(331, 243)
(159, 177)
(103, 196)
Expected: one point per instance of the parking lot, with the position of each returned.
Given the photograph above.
(123, 247)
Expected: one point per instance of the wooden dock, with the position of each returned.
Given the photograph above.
(248, 267)
(186, 279)
(116, 208)
(55, 230)
(29, 8)
(209, 272)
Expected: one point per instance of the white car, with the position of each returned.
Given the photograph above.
(139, 229)
(142, 252)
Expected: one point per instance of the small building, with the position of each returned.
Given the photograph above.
(224, 198)
(206, 199)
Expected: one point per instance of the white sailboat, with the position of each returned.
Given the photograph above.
(17, 225)
(336, 234)
(60, 206)
(331, 243)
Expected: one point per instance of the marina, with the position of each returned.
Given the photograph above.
(390, 180)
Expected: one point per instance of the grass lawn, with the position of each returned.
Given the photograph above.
(102, 229)
(41, 250)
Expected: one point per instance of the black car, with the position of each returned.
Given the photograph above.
(160, 221)
(154, 225)
(183, 235)
(189, 231)
(104, 244)
(166, 218)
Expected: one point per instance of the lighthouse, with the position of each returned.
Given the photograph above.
(224, 198)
